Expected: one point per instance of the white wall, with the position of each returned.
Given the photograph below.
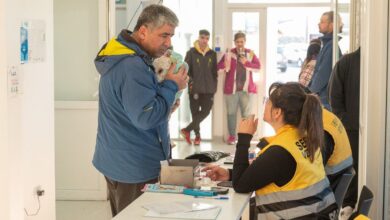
(374, 34)
(4, 171)
(27, 120)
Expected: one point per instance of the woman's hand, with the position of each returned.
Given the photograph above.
(248, 125)
(217, 173)
(243, 60)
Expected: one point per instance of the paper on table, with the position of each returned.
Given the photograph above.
(208, 214)
(174, 207)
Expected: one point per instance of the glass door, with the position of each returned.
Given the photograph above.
(253, 23)
(289, 31)
(279, 36)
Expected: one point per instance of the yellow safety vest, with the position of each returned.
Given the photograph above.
(341, 157)
(307, 192)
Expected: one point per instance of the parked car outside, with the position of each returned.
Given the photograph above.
(281, 61)
(295, 53)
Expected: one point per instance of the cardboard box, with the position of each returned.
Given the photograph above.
(179, 172)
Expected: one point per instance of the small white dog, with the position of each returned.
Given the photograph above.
(162, 64)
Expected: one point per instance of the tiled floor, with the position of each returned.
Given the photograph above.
(83, 210)
(100, 210)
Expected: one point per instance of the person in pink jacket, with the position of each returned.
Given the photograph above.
(238, 64)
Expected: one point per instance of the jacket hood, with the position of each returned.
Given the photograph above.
(327, 37)
(118, 49)
(197, 47)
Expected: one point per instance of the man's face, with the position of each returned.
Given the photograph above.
(240, 43)
(157, 41)
(203, 41)
(325, 26)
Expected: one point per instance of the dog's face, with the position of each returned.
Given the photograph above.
(161, 66)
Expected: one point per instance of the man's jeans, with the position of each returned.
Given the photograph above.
(233, 101)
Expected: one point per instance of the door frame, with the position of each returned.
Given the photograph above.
(73, 190)
(261, 93)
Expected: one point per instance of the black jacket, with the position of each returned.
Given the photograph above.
(202, 71)
(344, 90)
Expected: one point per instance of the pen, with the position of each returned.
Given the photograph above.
(208, 197)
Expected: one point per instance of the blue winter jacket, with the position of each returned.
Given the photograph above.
(132, 136)
(323, 69)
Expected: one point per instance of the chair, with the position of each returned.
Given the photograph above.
(364, 203)
(342, 186)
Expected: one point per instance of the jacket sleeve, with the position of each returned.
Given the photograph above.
(146, 102)
(328, 148)
(254, 64)
(188, 60)
(306, 72)
(336, 89)
(322, 72)
(221, 63)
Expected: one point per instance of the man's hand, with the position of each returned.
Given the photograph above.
(180, 78)
(217, 173)
(175, 106)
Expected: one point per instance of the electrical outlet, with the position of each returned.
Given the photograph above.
(39, 191)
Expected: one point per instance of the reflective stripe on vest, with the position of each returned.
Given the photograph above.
(295, 204)
(339, 167)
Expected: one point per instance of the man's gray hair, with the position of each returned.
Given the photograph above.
(155, 16)
(330, 16)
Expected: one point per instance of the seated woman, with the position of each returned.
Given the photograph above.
(288, 175)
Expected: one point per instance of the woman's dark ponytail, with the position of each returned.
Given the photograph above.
(311, 124)
(302, 110)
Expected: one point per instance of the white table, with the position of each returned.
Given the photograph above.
(231, 209)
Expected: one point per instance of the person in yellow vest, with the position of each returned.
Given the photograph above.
(288, 175)
(336, 153)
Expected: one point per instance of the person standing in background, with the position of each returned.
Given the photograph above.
(344, 96)
(323, 68)
(238, 63)
(310, 62)
(202, 63)
(132, 136)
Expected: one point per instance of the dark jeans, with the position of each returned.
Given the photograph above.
(352, 192)
(122, 194)
(200, 105)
